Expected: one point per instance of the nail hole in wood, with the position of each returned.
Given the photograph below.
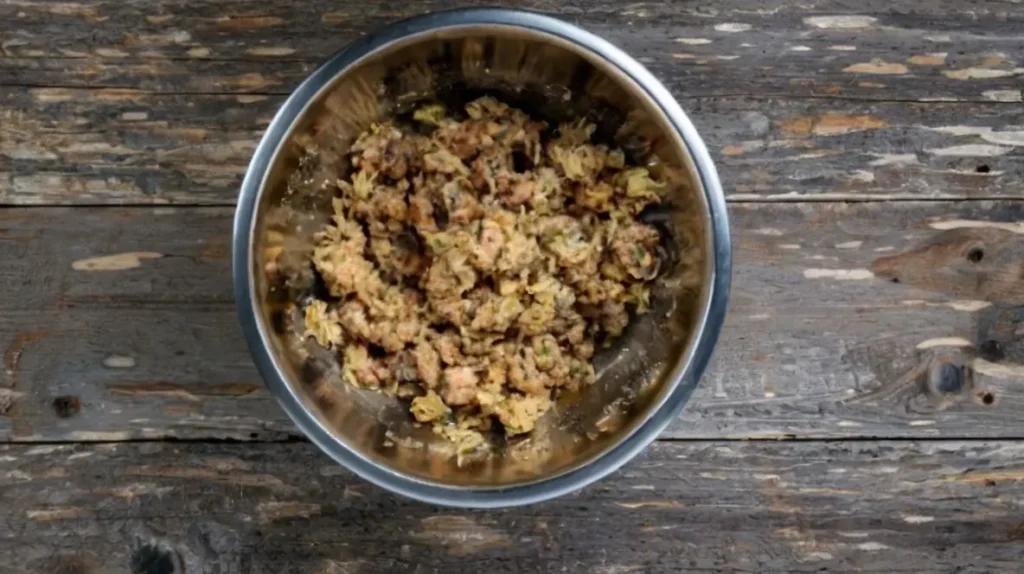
(988, 398)
(895, 280)
(152, 560)
(66, 406)
(982, 169)
(948, 378)
(975, 255)
(991, 350)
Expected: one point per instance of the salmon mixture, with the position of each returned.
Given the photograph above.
(475, 259)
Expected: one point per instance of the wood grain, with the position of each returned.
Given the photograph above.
(872, 49)
(107, 146)
(130, 311)
(696, 507)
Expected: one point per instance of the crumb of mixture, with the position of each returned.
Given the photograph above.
(473, 265)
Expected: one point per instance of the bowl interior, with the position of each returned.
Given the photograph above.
(552, 79)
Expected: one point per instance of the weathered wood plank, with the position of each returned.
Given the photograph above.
(871, 49)
(694, 507)
(128, 311)
(71, 146)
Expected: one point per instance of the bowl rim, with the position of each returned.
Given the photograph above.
(688, 371)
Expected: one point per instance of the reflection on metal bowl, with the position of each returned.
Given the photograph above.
(553, 71)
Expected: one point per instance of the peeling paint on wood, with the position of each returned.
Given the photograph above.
(930, 59)
(877, 66)
(119, 362)
(944, 342)
(841, 274)
(830, 124)
(732, 27)
(845, 22)
(117, 262)
(981, 73)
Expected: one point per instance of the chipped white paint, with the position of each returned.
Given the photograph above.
(29, 153)
(270, 51)
(760, 316)
(1004, 95)
(916, 519)
(790, 246)
(939, 38)
(848, 22)
(877, 66)
(760, 476)
(42, 450)
(872, 546)
(841, 274)
(133, 491)
(838, 196)
(78, 455)
(100, 436)
(929, 59)
(117, 262)
(119, 362)
(693, 41)
(884, 249)
(980, 73)
(768, 231)
(853, 534)
(818, 555)
(1008, 137)
(643, 487)
(111, 53)
(968, 305)
(921, 423)
(1000, 370)
(943, 225)
(943, 342)
(799, 49)
(861, 175)
(54, 513)
(971, 150)
(843, 48)
(849, 245)
(893, 159)
(848, 424)
(732, 27)
(134, 116)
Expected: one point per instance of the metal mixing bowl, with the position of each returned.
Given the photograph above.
(554, 71)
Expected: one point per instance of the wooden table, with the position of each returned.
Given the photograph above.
(865, 410)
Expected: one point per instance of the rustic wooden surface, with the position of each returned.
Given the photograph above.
(851, 506)
(862, 413)
(815, 345)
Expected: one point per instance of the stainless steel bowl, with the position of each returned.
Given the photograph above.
(554, 71)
